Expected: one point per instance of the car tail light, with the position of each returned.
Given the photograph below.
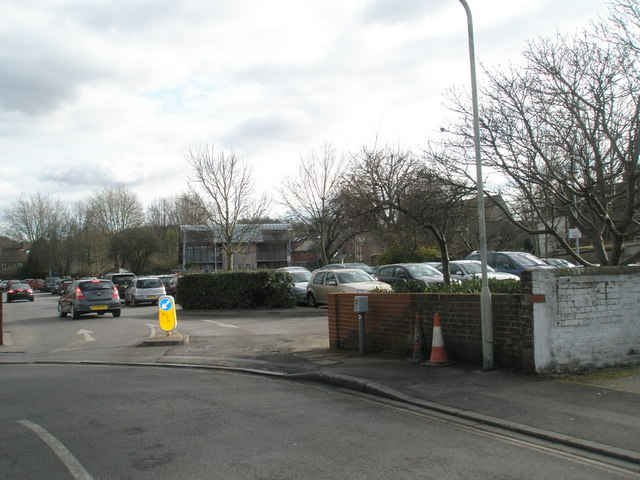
(10, 291)
(29, 290)
(116, 295)
(79, 293)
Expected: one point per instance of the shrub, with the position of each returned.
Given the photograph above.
(473, 285)
(234, 290)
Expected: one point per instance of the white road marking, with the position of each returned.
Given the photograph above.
(77, 471)
(87, 335)
(153, 329)
(218, 324)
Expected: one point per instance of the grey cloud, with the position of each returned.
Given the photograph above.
(37, 77)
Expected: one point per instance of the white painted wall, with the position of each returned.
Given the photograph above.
(590, 318)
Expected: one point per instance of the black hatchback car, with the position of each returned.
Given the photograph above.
(96, 295)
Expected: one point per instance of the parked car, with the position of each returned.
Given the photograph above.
(360, 266)
(5, 285)
(121, 281)
(406, 272)
(559, 263)
(19, 291)
(301, 278)
(36, 284)
(170, 283)
(144, 290)
(63, 286)
(324, 282)
(511, 262)
(49, 283)
(466, 269)
(96, 295)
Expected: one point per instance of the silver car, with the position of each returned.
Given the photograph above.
(301, 277)
(144, 290)
(324, 282)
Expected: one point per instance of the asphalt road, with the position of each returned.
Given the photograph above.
(83, 422)
(75, 421)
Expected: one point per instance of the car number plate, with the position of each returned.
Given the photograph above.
(98, 307)
(152, 296)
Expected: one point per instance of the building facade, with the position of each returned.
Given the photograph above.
(265, 245)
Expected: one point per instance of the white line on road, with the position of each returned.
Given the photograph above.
(77, 471)
(153, 329)
(87, 335)
(218, 324)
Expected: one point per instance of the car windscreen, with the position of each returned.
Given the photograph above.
(353, 276)
(122, 279)
(300, 276)
(423, 271)
(96, 285)
(528, 260)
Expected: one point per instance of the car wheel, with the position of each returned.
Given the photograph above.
(75, 315)
(116, 313)
(61, 313)
(8, 300)
(311, 300)
(126, 302)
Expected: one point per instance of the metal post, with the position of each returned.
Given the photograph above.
(485, 295)
(361, 332)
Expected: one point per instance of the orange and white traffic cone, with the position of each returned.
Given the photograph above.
(438, 356)
(418, 351)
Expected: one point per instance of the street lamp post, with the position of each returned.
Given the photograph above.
(485, 295)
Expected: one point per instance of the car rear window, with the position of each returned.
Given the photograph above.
(149, 283)
(96, 285)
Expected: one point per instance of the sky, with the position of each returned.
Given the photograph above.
(101, 93)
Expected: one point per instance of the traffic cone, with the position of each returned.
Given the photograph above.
(438, 356)
(418, 342)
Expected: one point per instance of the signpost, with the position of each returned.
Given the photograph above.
(167, 313)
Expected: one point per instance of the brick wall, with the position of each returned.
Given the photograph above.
(564, 320)
(389, 326)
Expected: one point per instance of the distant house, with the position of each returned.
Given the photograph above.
(12, 256)
(266, 245)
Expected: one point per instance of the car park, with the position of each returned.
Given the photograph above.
(301, 278)
(170, 283)
(96, 295)
(559, 263)
(49, 283)
(62, 286)
(408, 272)
(360, 266)
(144, 290)
(512, 262)
(36, 284)
(324, 282)
(19, 291)
(467, 269)
(121, 281)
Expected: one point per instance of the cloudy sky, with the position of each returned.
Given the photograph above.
(104, 92)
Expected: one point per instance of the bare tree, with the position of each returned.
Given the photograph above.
(392, 185)
(33, 218)
(564, 129)
(222, 189)
(314, 199)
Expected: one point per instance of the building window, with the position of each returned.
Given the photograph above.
(5, 266)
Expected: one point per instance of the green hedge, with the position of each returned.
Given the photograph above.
(235, 290)
(473, 285)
